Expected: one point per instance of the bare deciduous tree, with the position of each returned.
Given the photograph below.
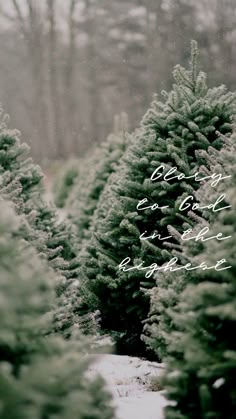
(68, 67)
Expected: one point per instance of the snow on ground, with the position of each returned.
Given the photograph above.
(128, 379)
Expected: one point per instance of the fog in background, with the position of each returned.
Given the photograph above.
(68, 66)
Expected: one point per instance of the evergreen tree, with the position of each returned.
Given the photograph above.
(18, 168)
(21, 182)
(201, 366)
(26, 292)
(165, 295)
(14, 159)
(40, 376)
(65, 181)
(95, 172)
(170, 134)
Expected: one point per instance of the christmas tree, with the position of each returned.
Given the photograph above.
(96, 169)
(26, 287)
(165, 295)
(65, 181)
(144, 196)
(21, 182)
(201, 365)
(41, 376)
(14, 159)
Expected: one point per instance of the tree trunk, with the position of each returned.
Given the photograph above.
(57, 140)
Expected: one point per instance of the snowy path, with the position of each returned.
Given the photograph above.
(128, 379)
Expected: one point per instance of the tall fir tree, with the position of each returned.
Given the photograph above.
(165, 295)
(14, 159)
(40, 376)
(96, 169)
(170, 134)
(201, 363)
(26, 292)
(21, 182)
(65, 181)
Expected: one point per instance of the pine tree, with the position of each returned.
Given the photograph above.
(26, 292)
(18, 168)
(65, 181)
(170, 134)
(21, 182)
(41, 376)
(165, 295)
(201, 366)
(82, 203)
(14, 159)
(96, 169)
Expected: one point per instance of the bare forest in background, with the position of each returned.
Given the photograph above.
(69, 66)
